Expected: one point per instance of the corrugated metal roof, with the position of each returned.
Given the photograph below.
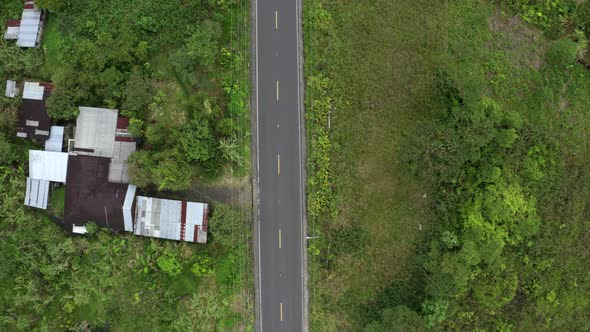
(30, 26)
(11, 33)
(79, 229)
(48, 165)
(128, 206)
(170, 219)
(37, 193)
(33, 90)
(56, 139)
(119, 170)
(95, 131)
(89, 196)
(11, 90)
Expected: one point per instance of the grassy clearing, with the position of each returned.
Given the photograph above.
(381, 58)
(57, 202)
(385, 73)
(52, 47)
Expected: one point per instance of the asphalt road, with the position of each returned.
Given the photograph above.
(280, 172)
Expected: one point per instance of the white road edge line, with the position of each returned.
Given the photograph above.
(302, 187)
(258, 167)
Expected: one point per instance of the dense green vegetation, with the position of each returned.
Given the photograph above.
(449, 179)
(179, 70)
(51, 281)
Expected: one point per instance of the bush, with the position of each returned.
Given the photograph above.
(562, 53)
(170, 264)
(203, 266)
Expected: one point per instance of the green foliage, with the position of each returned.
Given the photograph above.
(202, 267)
(170, 264)
(490, 117)
(562, 52)
(51, 5)
(16, 60)
(138, 92)
(397, 319)
(196, 141)
(7, 151)
(225, 223)
(136, 127)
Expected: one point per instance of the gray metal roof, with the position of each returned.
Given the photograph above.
(11, 89)
(30, 28)
(11, 33)
(127, 207)
(33, 90)
(48, 165)
(56, 139)
(170, 219)
(118, 169)
(95, 131)
(37, 193)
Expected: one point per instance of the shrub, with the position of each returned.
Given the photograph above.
(170, 264)
(562, 53)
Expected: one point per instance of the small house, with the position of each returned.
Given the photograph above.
(33, 120)
(29, 29)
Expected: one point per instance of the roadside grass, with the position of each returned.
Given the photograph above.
(382, 56)
(382, 63)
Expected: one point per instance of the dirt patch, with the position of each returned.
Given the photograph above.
(521, 40)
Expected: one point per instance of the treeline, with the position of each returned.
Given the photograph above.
(178, 69)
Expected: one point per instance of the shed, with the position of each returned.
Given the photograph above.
(171, 219)
(56, 139)
(34, 122)
(37, 193)
(12, 29)
(29, 33)
(11, 89)
(48, 165)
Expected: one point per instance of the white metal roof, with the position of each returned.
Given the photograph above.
(11, 33)
(37, 193)
(11, 90)
(162, 218)
(127, 206)
(79, 229)
(48, 165)
(30, 25)
(33, 90)
(56, 139)
(95, 130)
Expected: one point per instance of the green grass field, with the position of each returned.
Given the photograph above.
(381, 57)
(385, 73)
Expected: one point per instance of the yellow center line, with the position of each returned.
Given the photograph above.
(280, 239)
(279, 164)
(277, 90)
(281, 311)
(276, 20)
